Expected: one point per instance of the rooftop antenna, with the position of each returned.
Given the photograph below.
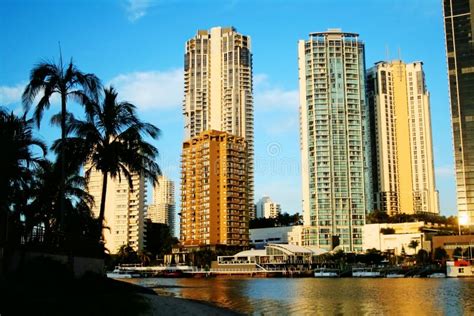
(387, 53)
(399, 53)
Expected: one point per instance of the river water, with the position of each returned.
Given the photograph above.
(309, 296)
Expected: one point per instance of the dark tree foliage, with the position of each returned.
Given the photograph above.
(422, 257)
(126, 255)
(284, 219)
(159, 240)
(112, 141)
(382, 217)
(457, 253)
(67, 81)
(440, 254)
(387, 231)
(469, 252)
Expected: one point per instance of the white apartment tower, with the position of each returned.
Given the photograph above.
(265, 207)
(333, 139)
(124, 210)
(402, 149)
(162, 210)
(218, 88)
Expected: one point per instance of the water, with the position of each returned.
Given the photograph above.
(309, 296)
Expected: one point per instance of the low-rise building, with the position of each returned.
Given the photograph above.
(274, 256)
(395, 237)
(295, 236)
(450, 243)
(260, 237)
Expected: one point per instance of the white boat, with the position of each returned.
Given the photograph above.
(121, 274)
(365, 273)
(326, 273)
(394, 275)
(437, 275)
(459, 269)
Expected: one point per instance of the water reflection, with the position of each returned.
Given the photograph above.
(328, 296)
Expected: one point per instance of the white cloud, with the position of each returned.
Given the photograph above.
(136, 9)
(269, 97)
(260, 80)
(282, 126)
(444, 171)
(11, 95)
(151, 89)
(276, 97)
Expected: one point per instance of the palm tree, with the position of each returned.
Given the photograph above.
(16, 160)
(44, 206)
(414, 244)
(48, 78)
(111, 140)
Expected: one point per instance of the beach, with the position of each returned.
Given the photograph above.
(167, 305)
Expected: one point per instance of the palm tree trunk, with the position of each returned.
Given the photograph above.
(63, 162)
(102, 202)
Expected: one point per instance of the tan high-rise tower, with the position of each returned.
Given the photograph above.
(218, 88)
(124, 210)
(163, 208)
(402, 150)
(213, 195)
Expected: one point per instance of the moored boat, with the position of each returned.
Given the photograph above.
(121, 274)
(326, 273)
(459, 269)
(436, 275)
(394, 275)
(365, 273)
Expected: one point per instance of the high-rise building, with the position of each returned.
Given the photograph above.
(459, 28)
(333, 138)
(124, 209)
(402, 149)
(218, 88)
(266, 208)
(163, 208)
(214, 200)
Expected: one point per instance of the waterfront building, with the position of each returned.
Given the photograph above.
(266, 208)
(450, 243)
(259, 237)
(163, 208)
(459, 29)
(394, 237)
(218, 88)
(333, 139)
(124, 209)
(274, 256)
(401, 143)
(214, 195)
(295, 236)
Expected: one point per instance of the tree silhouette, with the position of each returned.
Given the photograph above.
(16, 160)
(49, 78)
(414, 244)
(111, 141)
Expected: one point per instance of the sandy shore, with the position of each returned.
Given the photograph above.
(167, 305)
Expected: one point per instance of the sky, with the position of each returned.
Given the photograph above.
(138, 46)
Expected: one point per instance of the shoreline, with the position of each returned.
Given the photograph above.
(171, 305)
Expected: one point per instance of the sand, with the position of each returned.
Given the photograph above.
(167, 305)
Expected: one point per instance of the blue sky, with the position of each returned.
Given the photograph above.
(138, 46)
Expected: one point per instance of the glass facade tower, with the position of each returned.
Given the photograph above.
(333, 142)
(459, 28)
